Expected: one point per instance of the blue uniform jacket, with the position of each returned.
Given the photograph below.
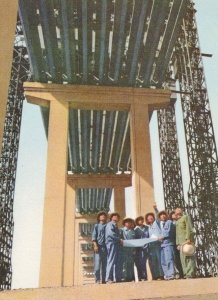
(112, 234)
(98, 234)
(142, 232)
(168, 233)
(155, 231)
(127, 234)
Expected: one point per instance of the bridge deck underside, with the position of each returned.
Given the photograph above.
(108, 42)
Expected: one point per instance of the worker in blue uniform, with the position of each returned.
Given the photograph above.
(113, 245)
(100, 251)
(155, 247)
(141, 256)
(167, 245)
(127, 255)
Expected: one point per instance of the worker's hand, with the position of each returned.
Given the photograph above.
(178, 247)
(160, 238)
(188, 242)
(95, 248)
(121, 242)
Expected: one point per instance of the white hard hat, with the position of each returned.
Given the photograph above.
(188, 249)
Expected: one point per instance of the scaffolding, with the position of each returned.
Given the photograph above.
(8, 160)
(201, 147)
(170, 160)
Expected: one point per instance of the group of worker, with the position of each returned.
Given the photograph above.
(163, 236)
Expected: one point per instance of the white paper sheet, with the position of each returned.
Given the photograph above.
(138, 242)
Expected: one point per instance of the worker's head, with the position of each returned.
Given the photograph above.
(128, 223)
(178, 213)
(133, 224)
(139, 221)
(149, 218)
(172, 215)
(102, 217)
(115, 217)
(162, 215)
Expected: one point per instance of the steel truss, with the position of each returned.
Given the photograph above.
(170, 160)
(201, 147)
(8, 160)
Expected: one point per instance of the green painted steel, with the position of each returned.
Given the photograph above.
(111, 42)
(108, 42)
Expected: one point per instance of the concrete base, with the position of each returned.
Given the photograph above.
(199, 289)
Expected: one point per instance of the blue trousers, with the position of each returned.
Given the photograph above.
(100, 263)
(126, 264)
(155, 261)
(141, 258)
(168, 261)
(113, 272)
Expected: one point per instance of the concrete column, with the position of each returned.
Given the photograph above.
(119, 201)
(69, 237)
(77, 255)
(51, 271)
(142, 179)
(8, 19)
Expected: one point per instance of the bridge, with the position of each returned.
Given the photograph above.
(98, 71)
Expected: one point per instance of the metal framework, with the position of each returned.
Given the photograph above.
(201, 147)
(8, 160)
(92, 200)
(86, 252)
(170, 160)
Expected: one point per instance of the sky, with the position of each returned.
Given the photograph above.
(28, 204)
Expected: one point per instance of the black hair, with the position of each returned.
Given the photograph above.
(147, 215)
(114, 214)
(139, 218)
(101, 213)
